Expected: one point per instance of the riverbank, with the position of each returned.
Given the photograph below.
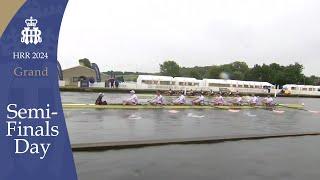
(152, 91)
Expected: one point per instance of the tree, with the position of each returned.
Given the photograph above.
(294, 74)
(214, 72)
(274, 73)
(195, 74)
(170, 68)
(120, 79)
(85, 62)
(312, 80)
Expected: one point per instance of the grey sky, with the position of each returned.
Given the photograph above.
(138, 35)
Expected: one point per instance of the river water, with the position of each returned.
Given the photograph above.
(261, 159)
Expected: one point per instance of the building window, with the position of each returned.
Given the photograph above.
(147, 81)
(219, 85)
(293, 88)
(75, 79)
(181, 83)
(196, 84)
(165, 82)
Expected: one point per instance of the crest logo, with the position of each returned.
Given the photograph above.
(31, 34)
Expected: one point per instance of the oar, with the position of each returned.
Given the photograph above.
(308, 110)
(302, 108)
(290, 106)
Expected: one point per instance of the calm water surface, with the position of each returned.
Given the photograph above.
(90, 125)
(268, 159)
(285, 158)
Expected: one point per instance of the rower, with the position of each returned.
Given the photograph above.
(269, 101)
(132, 100)
(199, 100)
(238, 100)
(219, 100)
(180, 100)
(99, 100)
(253, 100)
(158, 100)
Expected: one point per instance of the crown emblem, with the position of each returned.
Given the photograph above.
(31, 22)
(31, 34)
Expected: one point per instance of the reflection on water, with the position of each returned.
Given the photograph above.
(116, 125)
(286, 158)
(134, 116)
(250, 114)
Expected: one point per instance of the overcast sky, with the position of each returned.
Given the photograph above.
(138, 35)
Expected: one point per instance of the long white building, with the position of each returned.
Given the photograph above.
(295, 89)
(184, 83)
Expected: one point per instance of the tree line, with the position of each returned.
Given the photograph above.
(273, 73)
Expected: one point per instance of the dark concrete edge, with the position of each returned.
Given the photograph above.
(87, 147)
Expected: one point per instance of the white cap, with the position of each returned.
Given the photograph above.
(132, 91)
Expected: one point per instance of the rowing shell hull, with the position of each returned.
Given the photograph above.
(120, 106)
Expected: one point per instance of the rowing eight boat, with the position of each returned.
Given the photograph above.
(147, 106)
